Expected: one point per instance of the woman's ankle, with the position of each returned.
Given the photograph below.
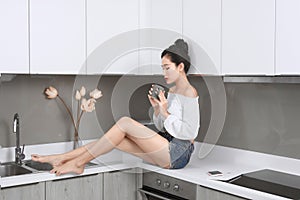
(84, 159)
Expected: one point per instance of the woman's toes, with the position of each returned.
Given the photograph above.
(52, 171)
(35, 157)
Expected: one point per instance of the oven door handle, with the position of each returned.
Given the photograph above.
(153, 194)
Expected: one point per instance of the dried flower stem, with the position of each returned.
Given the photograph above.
(78, 110)
(68, 110)
(78, 120)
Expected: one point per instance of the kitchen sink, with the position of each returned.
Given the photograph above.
(37, 165)
(10, 169)
(46, 166)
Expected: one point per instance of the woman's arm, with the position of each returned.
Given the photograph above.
(158, 121)
(184, 120)
(160, 111)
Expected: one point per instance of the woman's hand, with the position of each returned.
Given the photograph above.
(163, 104)
(153, 103)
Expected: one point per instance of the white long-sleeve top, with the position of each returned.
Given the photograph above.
(184, 119)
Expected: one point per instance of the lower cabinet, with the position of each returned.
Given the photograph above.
(204, 193)
(78, 188)
(120, 185)
(115, 185)
(34, 191)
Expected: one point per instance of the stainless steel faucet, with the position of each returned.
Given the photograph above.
(19, 154)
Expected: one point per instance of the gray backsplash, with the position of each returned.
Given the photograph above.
(259, 117)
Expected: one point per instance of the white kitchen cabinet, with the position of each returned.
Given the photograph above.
(163, 19)
(35, 191)
(57, 37)
(167, 15)
(248, 31)
(84, 187)
(206, 193)
(112, 36)
(287, 37)
(120, 185)
(14, 48)
(202, 28)
(145, 43)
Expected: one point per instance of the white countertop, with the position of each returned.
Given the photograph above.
(230, 161)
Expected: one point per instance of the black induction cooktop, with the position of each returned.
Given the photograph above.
(274, 182)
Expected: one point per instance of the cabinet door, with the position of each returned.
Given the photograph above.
(14, 48)
(112, 36)
(34, 191)
(120, 185)
(287, 37)
(202, 25)
(78, 188)
(206, 193)
(145, 43)
(57, 37)
(248, 29)
(165, 18)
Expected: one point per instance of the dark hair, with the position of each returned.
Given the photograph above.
(178, 53)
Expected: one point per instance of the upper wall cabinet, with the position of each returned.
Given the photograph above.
(57, 37)
(112, 36)
(248, 29)
(287, 37)
(202, 27)
(161, 25)
(14, 48)
(145, 43)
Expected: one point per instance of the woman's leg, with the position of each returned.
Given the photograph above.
(129, 146)
(149, 142)
(126, 145)
(58, 159)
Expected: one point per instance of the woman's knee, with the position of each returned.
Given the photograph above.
(124, 119)
(123, 122)
(134, 129)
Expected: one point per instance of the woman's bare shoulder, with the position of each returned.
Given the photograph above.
(191, 92)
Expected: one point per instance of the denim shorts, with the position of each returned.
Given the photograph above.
(180, 150)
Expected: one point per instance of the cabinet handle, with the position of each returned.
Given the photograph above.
(74, 177)
(27, 184)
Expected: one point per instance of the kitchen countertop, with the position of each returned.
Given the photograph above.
(230, 161)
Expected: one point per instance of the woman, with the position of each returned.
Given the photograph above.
(177, 118)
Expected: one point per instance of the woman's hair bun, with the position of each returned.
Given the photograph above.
(178, 53)
(181, 44)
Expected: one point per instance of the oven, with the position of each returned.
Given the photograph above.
(161, 187)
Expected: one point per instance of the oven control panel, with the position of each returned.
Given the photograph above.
(169, 185)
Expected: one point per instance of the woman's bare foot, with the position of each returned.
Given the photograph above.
(54, 160)
(68, 167)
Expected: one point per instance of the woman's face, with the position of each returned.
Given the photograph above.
(170, 70)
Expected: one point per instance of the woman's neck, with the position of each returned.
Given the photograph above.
(182, 83)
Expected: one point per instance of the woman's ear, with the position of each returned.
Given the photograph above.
(181, 67)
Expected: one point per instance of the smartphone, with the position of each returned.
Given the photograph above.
(156, 90)
(215, 173)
